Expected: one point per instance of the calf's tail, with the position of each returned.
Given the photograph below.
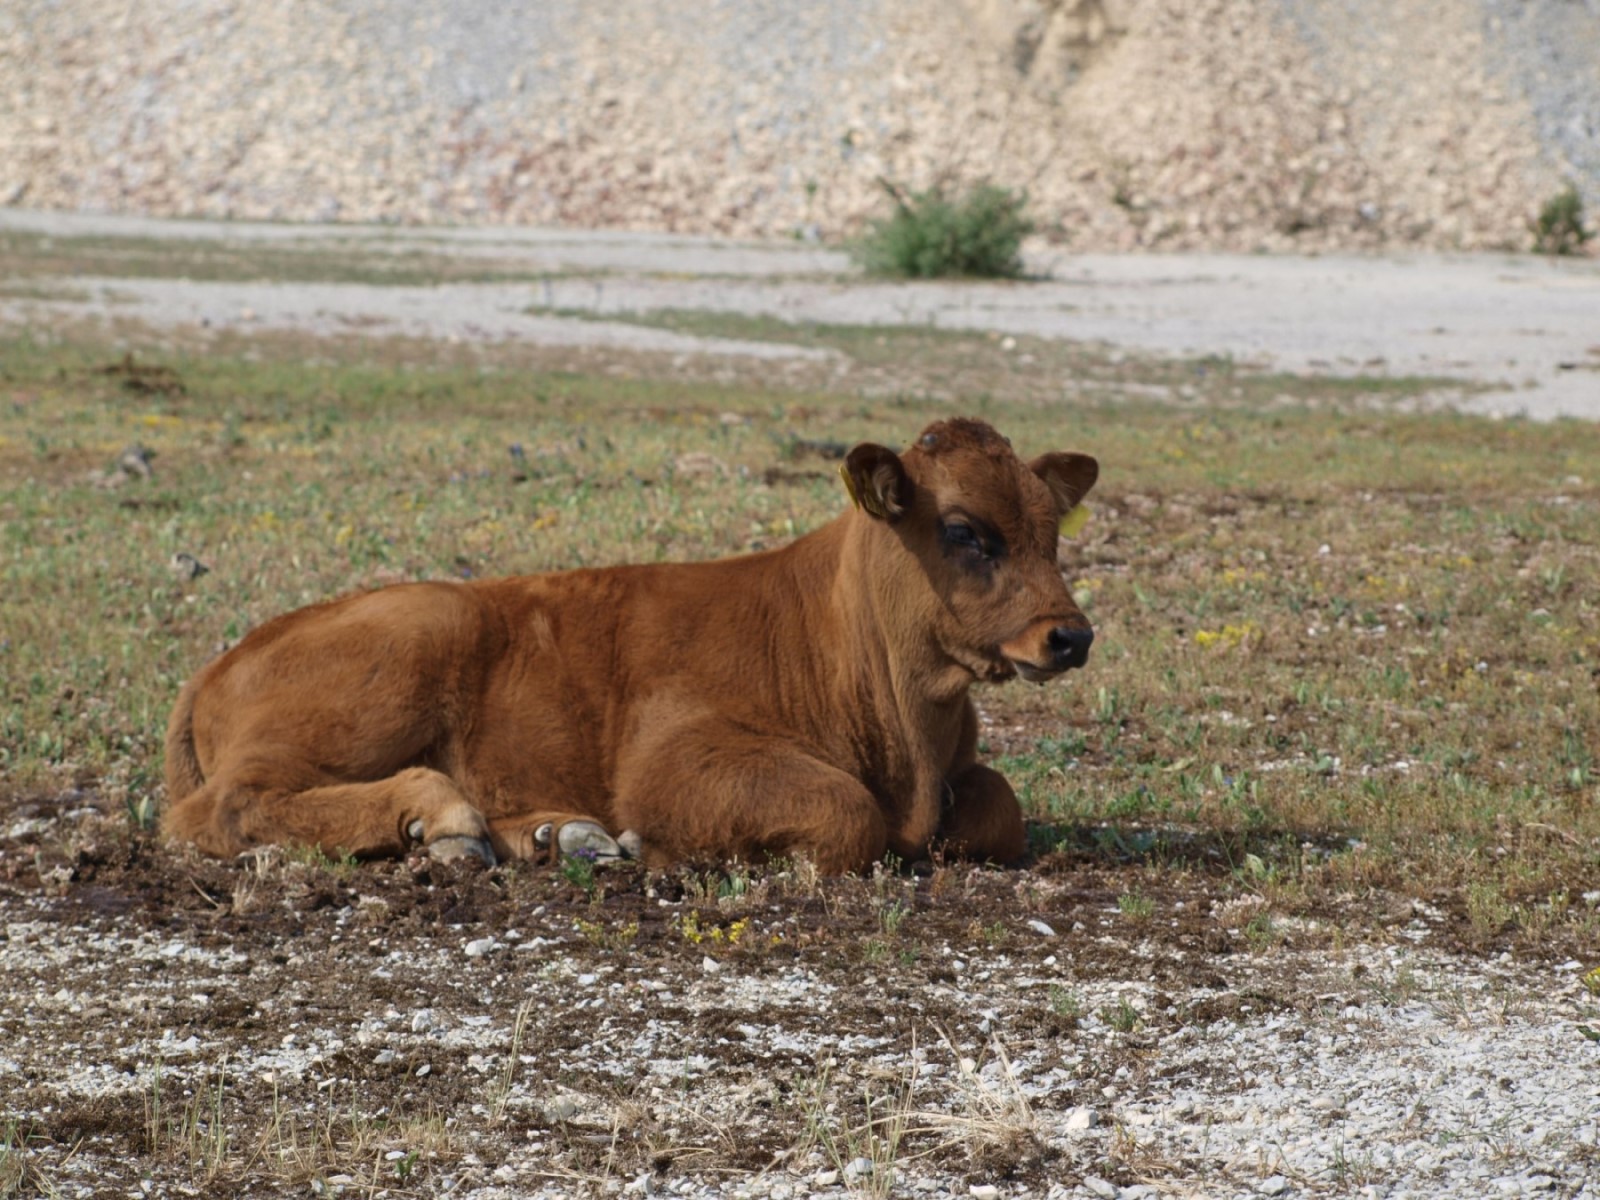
(184, 776)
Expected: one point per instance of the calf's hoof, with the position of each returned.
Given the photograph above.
(583, 839)
(454, 846)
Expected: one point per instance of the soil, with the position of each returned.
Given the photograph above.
(182, 1025)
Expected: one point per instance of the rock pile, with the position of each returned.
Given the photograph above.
(1183, 124)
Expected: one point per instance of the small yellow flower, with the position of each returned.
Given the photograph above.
(1228, 636)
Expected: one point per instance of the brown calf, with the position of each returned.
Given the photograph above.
(808, 700)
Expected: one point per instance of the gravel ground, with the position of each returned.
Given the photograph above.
(1520, 333)
(1025, 1035)
(1267, 124)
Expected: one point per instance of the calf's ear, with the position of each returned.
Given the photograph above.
(1068, 476)
(877, 481)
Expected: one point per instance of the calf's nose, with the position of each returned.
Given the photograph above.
(1069, 645)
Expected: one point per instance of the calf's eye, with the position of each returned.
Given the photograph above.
(958, 535)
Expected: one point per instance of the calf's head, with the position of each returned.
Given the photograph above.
(967, 533)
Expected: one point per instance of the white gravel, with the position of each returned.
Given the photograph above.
(1435, 1077)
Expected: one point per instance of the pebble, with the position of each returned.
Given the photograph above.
(1100, 1187)
(1080, 1118)
(983, 1191)
(858, 1168)
(1273, 1185)
(824, 1179)
(1041, 927)
(478, 947)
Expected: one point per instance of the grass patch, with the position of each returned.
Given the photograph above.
(25, 255)
(1352, 642)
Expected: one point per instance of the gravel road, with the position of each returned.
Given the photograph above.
(1524, 332)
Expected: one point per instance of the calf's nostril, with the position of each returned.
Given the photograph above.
(1070, 645)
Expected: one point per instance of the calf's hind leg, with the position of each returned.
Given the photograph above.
(709, 788)
(250, 806)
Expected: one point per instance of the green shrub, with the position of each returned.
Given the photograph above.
(1559, 229)
(977, 234)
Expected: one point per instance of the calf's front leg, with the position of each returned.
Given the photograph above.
(982, 821)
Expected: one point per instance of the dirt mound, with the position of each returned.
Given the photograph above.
(1150, 123)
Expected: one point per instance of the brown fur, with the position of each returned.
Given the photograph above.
(811, 699)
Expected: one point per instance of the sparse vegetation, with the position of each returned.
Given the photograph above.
(934, 233)
(19, 1173)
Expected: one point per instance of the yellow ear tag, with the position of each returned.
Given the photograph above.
(1072, 524)
(849, 484)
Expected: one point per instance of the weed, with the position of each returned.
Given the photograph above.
(1559, 228)
(318, 859)
(1066, 1004)
(993, 1121)
(578, 870)
(995, 934)
(607, 935)
(1135, 906)
(696, 934)
(725, 888)
(500, 1096)
(1121, 1016)
(1261, 932)
(930, 234)
(141, 811)
(874, 1139)
(891, 917)
(20, 1173)
(202, 1131)
(1487, 909)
